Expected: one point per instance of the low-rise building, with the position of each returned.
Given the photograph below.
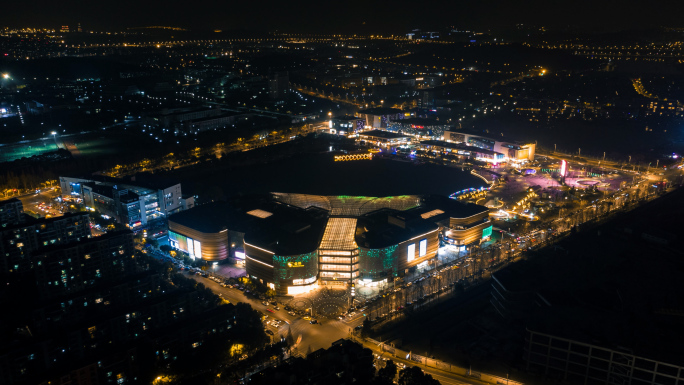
(512, 150)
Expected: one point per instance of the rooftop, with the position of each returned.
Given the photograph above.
(422, 122)
(290, 230)
(347, 117)
(339, 234)
(458, 146)
(383, 134)
(381, 111)
(208, 218)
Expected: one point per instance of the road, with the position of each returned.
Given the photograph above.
(321, 335)
(41, 203)
(314, 336)
(444, 377)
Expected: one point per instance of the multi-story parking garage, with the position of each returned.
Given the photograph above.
(296, 242)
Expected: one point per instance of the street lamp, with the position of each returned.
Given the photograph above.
(5, 76)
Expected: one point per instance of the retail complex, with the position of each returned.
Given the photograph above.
(296, 242)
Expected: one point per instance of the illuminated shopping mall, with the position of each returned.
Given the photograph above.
(295, 243)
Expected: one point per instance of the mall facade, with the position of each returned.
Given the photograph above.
(297, 242)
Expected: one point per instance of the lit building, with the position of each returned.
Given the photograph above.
(381, 117)
(462, 151)
(157, 201)
(346, 125)
(202, 232)
(65, 28)
(87, 261)
(383, 138)
(512, 151)
(124, 206)
(19, 241)
(296, 242)
(421, 127)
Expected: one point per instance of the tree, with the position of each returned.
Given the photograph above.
(152, 242)
(386, 375)
(289, 339)
(415, 376)
(366, 329)
(270, 293)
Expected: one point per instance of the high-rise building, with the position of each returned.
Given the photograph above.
(79, 29)
(68, 268)
(65, 28)
(18, 242)
(11, 212)
(278, 85)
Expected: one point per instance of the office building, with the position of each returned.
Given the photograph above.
(125, 206)
(125, 198)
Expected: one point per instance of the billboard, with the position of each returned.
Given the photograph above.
(563, 167)
(423, 248)
(487, 232)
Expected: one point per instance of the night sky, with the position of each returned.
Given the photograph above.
(342, 16)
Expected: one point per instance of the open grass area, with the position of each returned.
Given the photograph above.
(10, 152)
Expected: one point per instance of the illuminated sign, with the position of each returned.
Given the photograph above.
(295, 264)
(563, 168)
(423, 248)
(304, 281)
(191, 249)
(487, 232)
(198, 249)
(239, 255)
(411, 252)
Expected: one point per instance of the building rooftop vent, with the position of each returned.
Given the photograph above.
(259, 213)
(431, 214)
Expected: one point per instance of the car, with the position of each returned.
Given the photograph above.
(359, 327)
(313, 322)
(269, 310)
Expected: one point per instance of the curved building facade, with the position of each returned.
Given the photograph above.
(209, 246)
(295, 242)
(295, 274)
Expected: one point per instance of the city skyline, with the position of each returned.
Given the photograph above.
(355, 16)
